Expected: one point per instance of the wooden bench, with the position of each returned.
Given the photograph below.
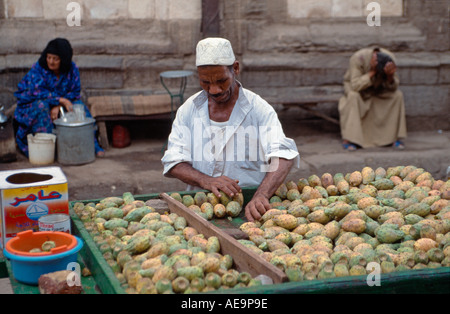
(119, 108)
(148, 107)
(308, 102)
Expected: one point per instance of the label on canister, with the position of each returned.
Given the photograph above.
(55, 222)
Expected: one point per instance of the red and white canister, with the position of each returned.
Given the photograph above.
(55, 222)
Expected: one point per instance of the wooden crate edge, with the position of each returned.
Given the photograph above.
(247, 260)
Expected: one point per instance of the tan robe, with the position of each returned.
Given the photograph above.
(370, 118)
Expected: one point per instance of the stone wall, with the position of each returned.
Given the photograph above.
(287, 48)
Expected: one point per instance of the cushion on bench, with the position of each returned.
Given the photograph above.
(129, 105)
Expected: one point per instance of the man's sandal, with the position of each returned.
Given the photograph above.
(349, 146)
(398, 145)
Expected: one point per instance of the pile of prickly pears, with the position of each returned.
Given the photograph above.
(157, 252)
(209, 206)
(336, 225)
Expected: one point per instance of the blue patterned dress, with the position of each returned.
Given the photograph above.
(38, 92)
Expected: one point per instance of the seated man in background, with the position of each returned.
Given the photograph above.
(372, 112)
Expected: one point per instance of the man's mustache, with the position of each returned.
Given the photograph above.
(217, 95)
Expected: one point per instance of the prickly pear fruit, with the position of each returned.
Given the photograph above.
(188, 200)
(366, 202)
(220, 211)
(421, 209)
(425, 244)
(138, 213)
(389, 235)
(286, 221)
(115, 223)
(213, 245)
(190, 272)
(200, 198)
(354, 225)
(282, 191)
(213, 280)
(48, 245)
(163, 285)
(383, 184)
(229, 279)
(138, 244)
(180, 284)
(233, 209)
(176, 196)
(355, 178)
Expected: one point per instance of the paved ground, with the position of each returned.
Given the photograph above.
(138, 169)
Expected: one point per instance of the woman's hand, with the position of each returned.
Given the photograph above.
(66, 103)
(54, 113)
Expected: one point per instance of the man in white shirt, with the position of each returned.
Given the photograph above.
(226, 137)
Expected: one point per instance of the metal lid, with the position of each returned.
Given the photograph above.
(3, 117)
(73, 123)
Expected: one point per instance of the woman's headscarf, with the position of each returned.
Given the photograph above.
(62, 48)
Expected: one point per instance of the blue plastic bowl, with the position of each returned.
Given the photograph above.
(28, 269)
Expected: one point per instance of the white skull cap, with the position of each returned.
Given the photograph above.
(214, 51)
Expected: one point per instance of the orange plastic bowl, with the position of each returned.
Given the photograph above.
(27, 240)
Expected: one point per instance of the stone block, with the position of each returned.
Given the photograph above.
(2, 9)
(288, 93)
(120, 37)
(426, 101)
(88, 62)
(20, 61)
(178, 10)
(10, 80)
(184, 36)
(24, 8)
(419, 76)
(106, 9)
(444, 75)
(309, 8)
(56, 9)
(298, 61)
(161, 10)
(419, 59)
(2, 64)
(278, 37)
(141, 9)
(7, 99)
(20, 36)
(142, 79)
(345, 8)
(305, 77)
(388, 7)
(101, 79)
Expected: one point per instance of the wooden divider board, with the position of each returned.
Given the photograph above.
(245, 259)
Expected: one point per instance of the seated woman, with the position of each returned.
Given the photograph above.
(53, 82)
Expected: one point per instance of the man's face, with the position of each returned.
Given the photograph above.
(218, 81)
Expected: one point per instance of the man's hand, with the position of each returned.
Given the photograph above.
(260, 201)
(390, 68)
(184, 172)
(222, 183)
(256, 207)
(373, 64)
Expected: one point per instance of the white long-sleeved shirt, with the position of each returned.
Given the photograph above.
(240, 149)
